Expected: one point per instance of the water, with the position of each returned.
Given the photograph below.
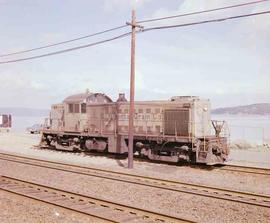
(20, 123)
(252, 128)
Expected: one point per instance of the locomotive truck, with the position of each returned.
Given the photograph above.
(172, 130)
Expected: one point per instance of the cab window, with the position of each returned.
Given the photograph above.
(83, 108)
(76, 108)
(70, 108)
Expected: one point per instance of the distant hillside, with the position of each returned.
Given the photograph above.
(24, 111)
(254, 109)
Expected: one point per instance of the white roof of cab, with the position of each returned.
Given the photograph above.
(87, 97)
(77, 97)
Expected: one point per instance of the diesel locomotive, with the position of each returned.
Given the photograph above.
(179, 129)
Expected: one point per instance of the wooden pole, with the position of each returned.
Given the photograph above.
(132, 86)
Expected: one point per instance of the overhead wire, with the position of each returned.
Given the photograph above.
(64, 42)
(140, 31)
(67, 50)
(205, 21)
(123, 26)
(200, 12)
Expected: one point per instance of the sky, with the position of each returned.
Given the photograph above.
(227, 62)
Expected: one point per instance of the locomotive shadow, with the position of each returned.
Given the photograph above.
(120, 159)
(180, 164)
(117, 157)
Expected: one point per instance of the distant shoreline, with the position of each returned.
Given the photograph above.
(241, 114)
(24, 112)
(253, 109)
(262, 109)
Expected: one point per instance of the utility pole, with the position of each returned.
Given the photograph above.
(132, 90)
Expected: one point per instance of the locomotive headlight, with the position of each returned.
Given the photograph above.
(205, 109)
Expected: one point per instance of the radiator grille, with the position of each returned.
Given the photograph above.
(176, 122)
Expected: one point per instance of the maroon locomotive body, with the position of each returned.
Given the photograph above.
(179, 129)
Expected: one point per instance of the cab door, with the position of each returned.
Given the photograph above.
(72, 118)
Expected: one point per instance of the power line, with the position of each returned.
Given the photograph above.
(200, 12)
(128, 33)
(64, 42)
(205, 21)
(68, 50)
(123, 26)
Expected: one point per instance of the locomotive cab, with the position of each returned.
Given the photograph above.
(75, 110)
(69, 120)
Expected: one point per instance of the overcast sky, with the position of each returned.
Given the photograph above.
(227, 62)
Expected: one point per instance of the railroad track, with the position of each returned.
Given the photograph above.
(170, 185)
(246, 169)
(225, 167)
(105, 210)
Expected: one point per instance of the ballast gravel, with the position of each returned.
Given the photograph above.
(199, 209)
(17, 209)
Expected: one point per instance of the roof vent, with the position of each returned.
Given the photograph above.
(121, 98)
(183, 98)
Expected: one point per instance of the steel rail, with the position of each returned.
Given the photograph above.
(246, 169)
(224, 167)
(51, 203)
(171, 185)
(106, 210)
